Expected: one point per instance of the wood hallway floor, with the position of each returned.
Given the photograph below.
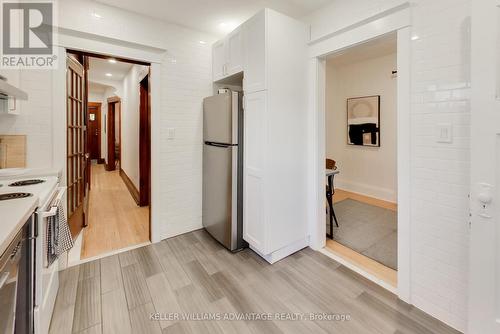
(115, 221)
(192, 275)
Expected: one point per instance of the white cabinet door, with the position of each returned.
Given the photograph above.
(255, 53)
(219, 60)
(254, 222)
(234, 45)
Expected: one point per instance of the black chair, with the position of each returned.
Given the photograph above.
(330, 191)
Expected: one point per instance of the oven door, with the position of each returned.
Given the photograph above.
(47, 279)
(17, 283)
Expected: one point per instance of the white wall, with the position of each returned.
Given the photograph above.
(370, 171)
(440, 84)
(130, 121)
(35, 119)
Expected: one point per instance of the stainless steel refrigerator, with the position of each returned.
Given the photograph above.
(223, 169)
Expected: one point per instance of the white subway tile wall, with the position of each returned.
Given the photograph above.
(186, 80)
(440, 81)
(35, 115)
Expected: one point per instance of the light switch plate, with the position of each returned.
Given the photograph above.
(171, 133)
(444, 133)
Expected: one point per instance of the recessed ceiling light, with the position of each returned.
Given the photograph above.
(112, 60)
(202, 42)
(415, 37)
(97, 15)
(109, 74)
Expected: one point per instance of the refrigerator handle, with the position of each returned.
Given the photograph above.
(218, 144)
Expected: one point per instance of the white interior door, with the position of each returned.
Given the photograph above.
(484, 291)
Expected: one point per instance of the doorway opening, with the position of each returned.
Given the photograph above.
(360, 123)
(116, 147)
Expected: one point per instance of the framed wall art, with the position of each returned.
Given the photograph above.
(363, 121)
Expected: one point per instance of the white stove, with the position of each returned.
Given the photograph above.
(42, 188)
(25, 187)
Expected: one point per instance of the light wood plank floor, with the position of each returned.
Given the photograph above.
(115, 220)
(372, 267)
(193, 274)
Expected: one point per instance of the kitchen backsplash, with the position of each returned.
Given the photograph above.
(12, 151)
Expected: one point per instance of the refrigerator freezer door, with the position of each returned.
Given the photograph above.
(220, 214)
(220, 118)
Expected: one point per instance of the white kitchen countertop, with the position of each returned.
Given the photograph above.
(13, 214)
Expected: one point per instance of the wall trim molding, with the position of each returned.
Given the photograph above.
(130, 186)
(375, 17)
(399, 22)
(361, 32)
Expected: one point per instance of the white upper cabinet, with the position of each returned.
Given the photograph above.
(219, 60)
(255, 55)
(235, 51)
(228, 55)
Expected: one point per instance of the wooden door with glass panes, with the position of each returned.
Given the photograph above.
(76, 144)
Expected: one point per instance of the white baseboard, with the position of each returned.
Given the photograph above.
(173, 232)
(385, 194)
(283, 252)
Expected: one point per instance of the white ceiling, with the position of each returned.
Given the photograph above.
(208, 15)
(98, 88)
(379, 47)
(99, 67)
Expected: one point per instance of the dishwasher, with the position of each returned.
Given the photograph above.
(17, 282)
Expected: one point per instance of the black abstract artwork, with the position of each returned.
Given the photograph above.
(363, 121)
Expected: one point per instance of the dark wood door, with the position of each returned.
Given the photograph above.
(144, 143)
(94, 130)
(113, 133)
(76, 144)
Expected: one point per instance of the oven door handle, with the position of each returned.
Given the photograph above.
(54, 205)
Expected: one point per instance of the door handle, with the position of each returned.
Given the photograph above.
(218, 144)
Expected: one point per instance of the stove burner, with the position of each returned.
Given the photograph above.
(5, 197)
(26, 183)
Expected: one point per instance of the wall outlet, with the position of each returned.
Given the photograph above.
(444, 133)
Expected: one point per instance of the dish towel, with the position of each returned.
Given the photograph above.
(59, 238)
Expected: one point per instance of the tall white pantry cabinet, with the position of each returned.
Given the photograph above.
(275, 132)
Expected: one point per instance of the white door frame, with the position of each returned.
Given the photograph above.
(94, 44)
(399, 22)
(484, 261)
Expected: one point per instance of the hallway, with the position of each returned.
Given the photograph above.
(115, 221)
